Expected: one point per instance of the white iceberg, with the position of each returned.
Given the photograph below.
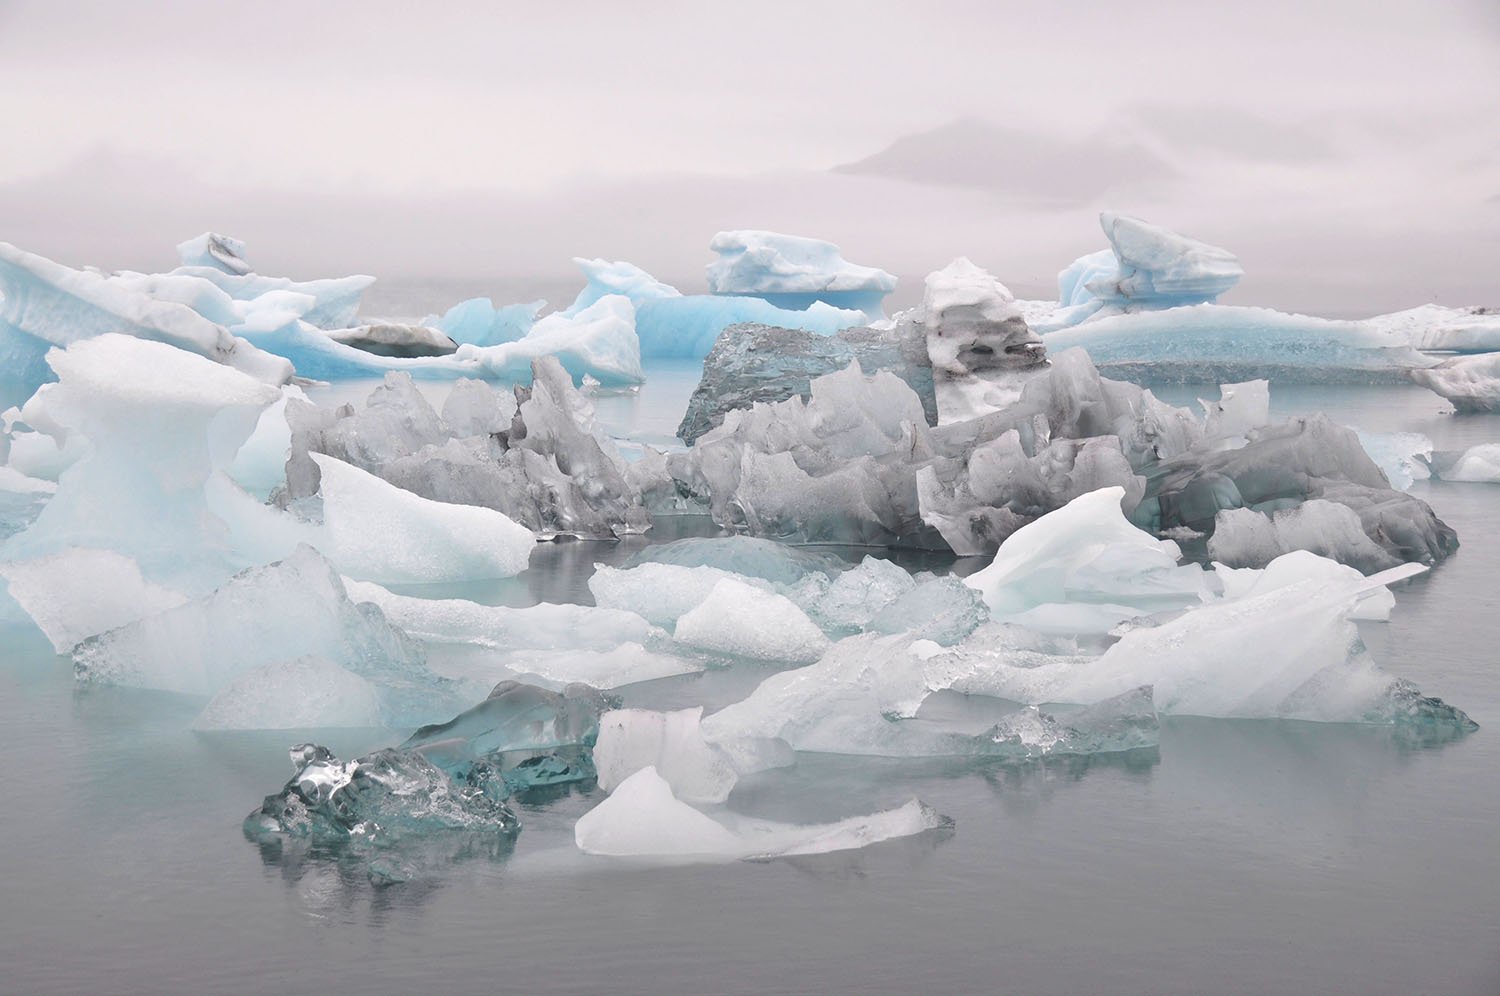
(643, 819)
(794, 272)
(739, 620)
(1470, 383)
(78, 593)
(670, 742)
(1478, 464)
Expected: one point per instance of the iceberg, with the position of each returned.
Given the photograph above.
(642, 818)
(1243, 537)
(378, 800)
(672, 743)
(1470, 383)
(378, 532)
(386, 339)
(219, 252)
(539, 459)
(295, 608)
(762, 363)
(978, 342)
(1478, 464)
(739, 620)
(42, 302)
(794, 272)
(1154, 268)
(79, 592)
(477, 322)
(219, 261)
(1432, 327)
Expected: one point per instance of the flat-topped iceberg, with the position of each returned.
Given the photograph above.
(794, 272)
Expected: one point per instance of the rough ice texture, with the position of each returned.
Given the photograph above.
(1157, 268)
(287, 610)
(642, 818)
(1285, 465)
(379, 800)
(739, 620)
(1478, 464)
(1470, 383)
(221, 252)
(793, 272)
(978, 342)
(378, 532)
(672, 743)
(1246, 538)
(762, 363)
(53, 304)
(300, 694)
(78, 593)
(539, 458)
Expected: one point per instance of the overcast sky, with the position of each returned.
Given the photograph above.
(1349, 152)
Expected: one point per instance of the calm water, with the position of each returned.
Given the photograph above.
(1247, 857)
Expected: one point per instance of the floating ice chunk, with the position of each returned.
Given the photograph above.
(1243, 537)
(943, 610)
(625, 664)
(1123, 723)
(740, 620)
(477, 322)
(858, 596)
(1403, 457)
(378, 532)
(1159, 268)
(1451, 330)
(794, 272)
(670, 742)
(304, 693)
(294, 608)
(1087, 552)
(160, 423)
(688, 327)
(1374, 603)
(1479, 464)
(643, 819)
(214, 250)
(387, 339)
(79, 593)
(1470, 383)
(546, 626)
(751, 363)
(1193, 343)
(379, 799)
(661, 593)
(473, 408)
(979, 344)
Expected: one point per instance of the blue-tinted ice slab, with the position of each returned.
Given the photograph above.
(795, 272)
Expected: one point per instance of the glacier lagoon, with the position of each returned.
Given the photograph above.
(1278, 856)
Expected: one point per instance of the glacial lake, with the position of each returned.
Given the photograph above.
(1242, 857)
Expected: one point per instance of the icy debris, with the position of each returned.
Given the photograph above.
(539, 460)
(642, 818)
(1090, 565)
(739, 620)
(978, 342)
(1470, 383)
(529, 736)
(1479, 464)
(283, 611)
(304, 693)
(794, 272)
(761, 363)
(386, 339)
(78, 593)
(672, 743)
(378, 532)
(379, 799)
(52, 303)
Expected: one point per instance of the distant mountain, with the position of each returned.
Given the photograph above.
(1026, 165)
